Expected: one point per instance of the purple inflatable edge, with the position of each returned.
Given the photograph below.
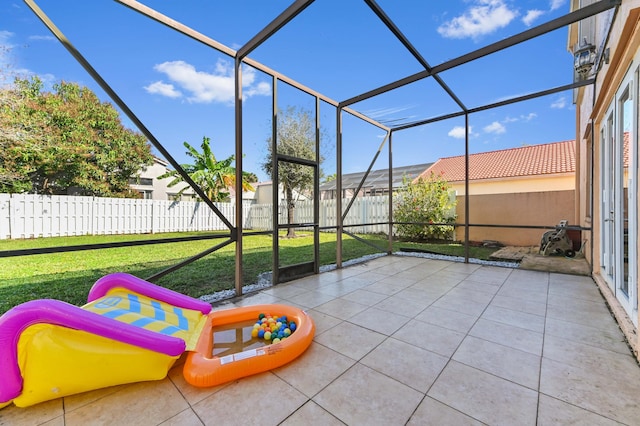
(56, 312)
(153, 291)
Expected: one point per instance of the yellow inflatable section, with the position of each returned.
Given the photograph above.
(131, 330)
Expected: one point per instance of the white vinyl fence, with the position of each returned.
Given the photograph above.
(38, 216)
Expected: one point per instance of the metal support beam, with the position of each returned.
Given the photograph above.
(547, 92)
(124, 107)
(280, 21)
(563, 21)
(239, 154)
(364, 178)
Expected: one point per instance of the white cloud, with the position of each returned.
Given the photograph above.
(458, 132)
(529, 116)
(531, 16)
(484, 17)
(556, 4)
(495, 128)
(4, 38)
(163, 89)
(204, 87)
(42, 38)
(559, 103)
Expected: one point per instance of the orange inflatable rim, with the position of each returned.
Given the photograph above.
(202, 369)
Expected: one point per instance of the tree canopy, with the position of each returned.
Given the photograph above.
(67, 138)
(296, 137)
(212, 176)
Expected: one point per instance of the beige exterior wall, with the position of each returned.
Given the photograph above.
(514, 185)
(526, 208)
(623, 45)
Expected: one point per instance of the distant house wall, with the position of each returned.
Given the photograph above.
(153, 188)
(515, 185)
(524, 208)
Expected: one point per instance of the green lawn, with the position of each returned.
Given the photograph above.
(69, 276)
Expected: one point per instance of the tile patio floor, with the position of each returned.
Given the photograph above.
(405, 340)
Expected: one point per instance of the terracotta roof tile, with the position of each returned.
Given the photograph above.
(551, 158)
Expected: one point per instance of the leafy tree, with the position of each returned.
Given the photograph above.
(68, 138)
(213, 176)
(420, 205)
(331, 177)
(296, 138)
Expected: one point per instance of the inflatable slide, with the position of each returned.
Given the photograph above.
(132, 330)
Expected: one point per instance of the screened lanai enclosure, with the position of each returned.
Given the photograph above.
(428, 95)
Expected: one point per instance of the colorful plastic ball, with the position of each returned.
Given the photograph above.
(267, 335)
(286, 332)
(261, 316)
(276, 340)
(292, 326)
(260, 333)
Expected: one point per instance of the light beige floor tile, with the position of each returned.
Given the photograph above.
(33, 415)
(584, 312)
(602, 394)
(191, 393)
(469, 284)
(522, 291)
(285, 291)
(460, 304)
(466, 268)
(341, 308)
(585, 289)
(516, 318)
(257, 298)
(350, 340)
(448, 278)
(323, 322)
(508, 335)
(73, 402)
(365, 297)
(311, 299)
(402, 306)
(379, 321)
(511, 364)
(430, 337)
(390, 285)
(592, 358)
(611, 339)
(517, 304)
(408, 364)
(260, 399)
(432, 412)
(314, 369)
(485, 397)
(362, 396)
(340, 288)
(58, 421)
(311, 414)
(470, 294)
(491, 275)
(433, 286)
(186, 418)
(446, 318)
(418, 295)
(139, 403)
(553, 412)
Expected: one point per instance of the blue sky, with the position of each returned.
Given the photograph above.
(182, 90)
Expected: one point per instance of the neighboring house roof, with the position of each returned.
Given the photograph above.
(534, 160)
(377, 178)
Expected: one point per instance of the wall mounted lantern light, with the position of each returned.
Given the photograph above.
(584, 57)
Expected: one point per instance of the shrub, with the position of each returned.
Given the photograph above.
(421, 207)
